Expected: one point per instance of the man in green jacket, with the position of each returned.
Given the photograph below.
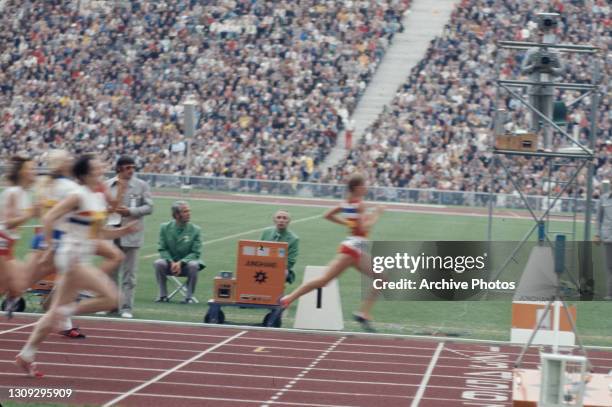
(179, 249)
(281, 233)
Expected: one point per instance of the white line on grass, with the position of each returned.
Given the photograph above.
(224, 238)
(430, 368)
(401, 207)
(174, 369)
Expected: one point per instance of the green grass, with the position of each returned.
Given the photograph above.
(318, 242)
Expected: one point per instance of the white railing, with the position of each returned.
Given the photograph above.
(336, 191)
(382, 194)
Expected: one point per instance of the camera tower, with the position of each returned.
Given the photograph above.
(571, 160)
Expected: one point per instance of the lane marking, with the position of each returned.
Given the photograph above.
(174, 369)
(231, 364)
(301, 350)
(458, 353)
(241, 375)
(370, 366)
(430, 368)
(261, 350)
(303, 373)
(157, 334)
(228, 237)
(203, 385)
(17, 328)
(259, 329)
(178, 396)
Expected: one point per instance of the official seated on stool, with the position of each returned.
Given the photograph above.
(180, 247)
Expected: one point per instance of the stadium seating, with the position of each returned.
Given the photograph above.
(276, 79)
(435, 135)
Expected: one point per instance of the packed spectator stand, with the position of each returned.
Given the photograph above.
(277, 82)
(277, 79)
(437, 133)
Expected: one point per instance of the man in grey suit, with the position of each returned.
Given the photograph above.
(136, 203)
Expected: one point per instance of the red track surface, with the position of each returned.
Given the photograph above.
(145, 364)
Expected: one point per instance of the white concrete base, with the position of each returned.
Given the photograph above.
(319, 310)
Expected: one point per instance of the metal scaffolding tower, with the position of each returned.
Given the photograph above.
(574, 159)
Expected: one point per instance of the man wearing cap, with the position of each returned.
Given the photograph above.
(280, 233)
(136, 204)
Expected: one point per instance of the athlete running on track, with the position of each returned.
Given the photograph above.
(15, 210)
(353, 214)
(86, 208)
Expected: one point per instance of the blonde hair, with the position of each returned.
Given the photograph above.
(56, 160)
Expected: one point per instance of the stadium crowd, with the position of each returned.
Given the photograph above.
(277, 80)
(436, 132)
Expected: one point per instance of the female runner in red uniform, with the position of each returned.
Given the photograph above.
(353, 214)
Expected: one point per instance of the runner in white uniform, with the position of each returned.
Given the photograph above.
(49, 192)
(15, 210)
(86, 209)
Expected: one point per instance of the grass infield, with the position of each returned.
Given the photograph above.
(224, 223)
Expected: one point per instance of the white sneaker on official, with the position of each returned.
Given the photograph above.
(102, 313)
(126, 314)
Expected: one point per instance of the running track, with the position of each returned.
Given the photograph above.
(131, 363)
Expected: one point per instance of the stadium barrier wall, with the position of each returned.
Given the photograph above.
(337, 191)
(380, 194)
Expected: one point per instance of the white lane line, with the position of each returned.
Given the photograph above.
(174, 369)
(261, 329)
(430, 368)
(303, 350)
(458, 353)
(219, 363)
(18, 328)
(257, 339)
(233, 377)
(259, 356)
(235, 235)
(164, 397)
(193, 385)
(303, 373)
